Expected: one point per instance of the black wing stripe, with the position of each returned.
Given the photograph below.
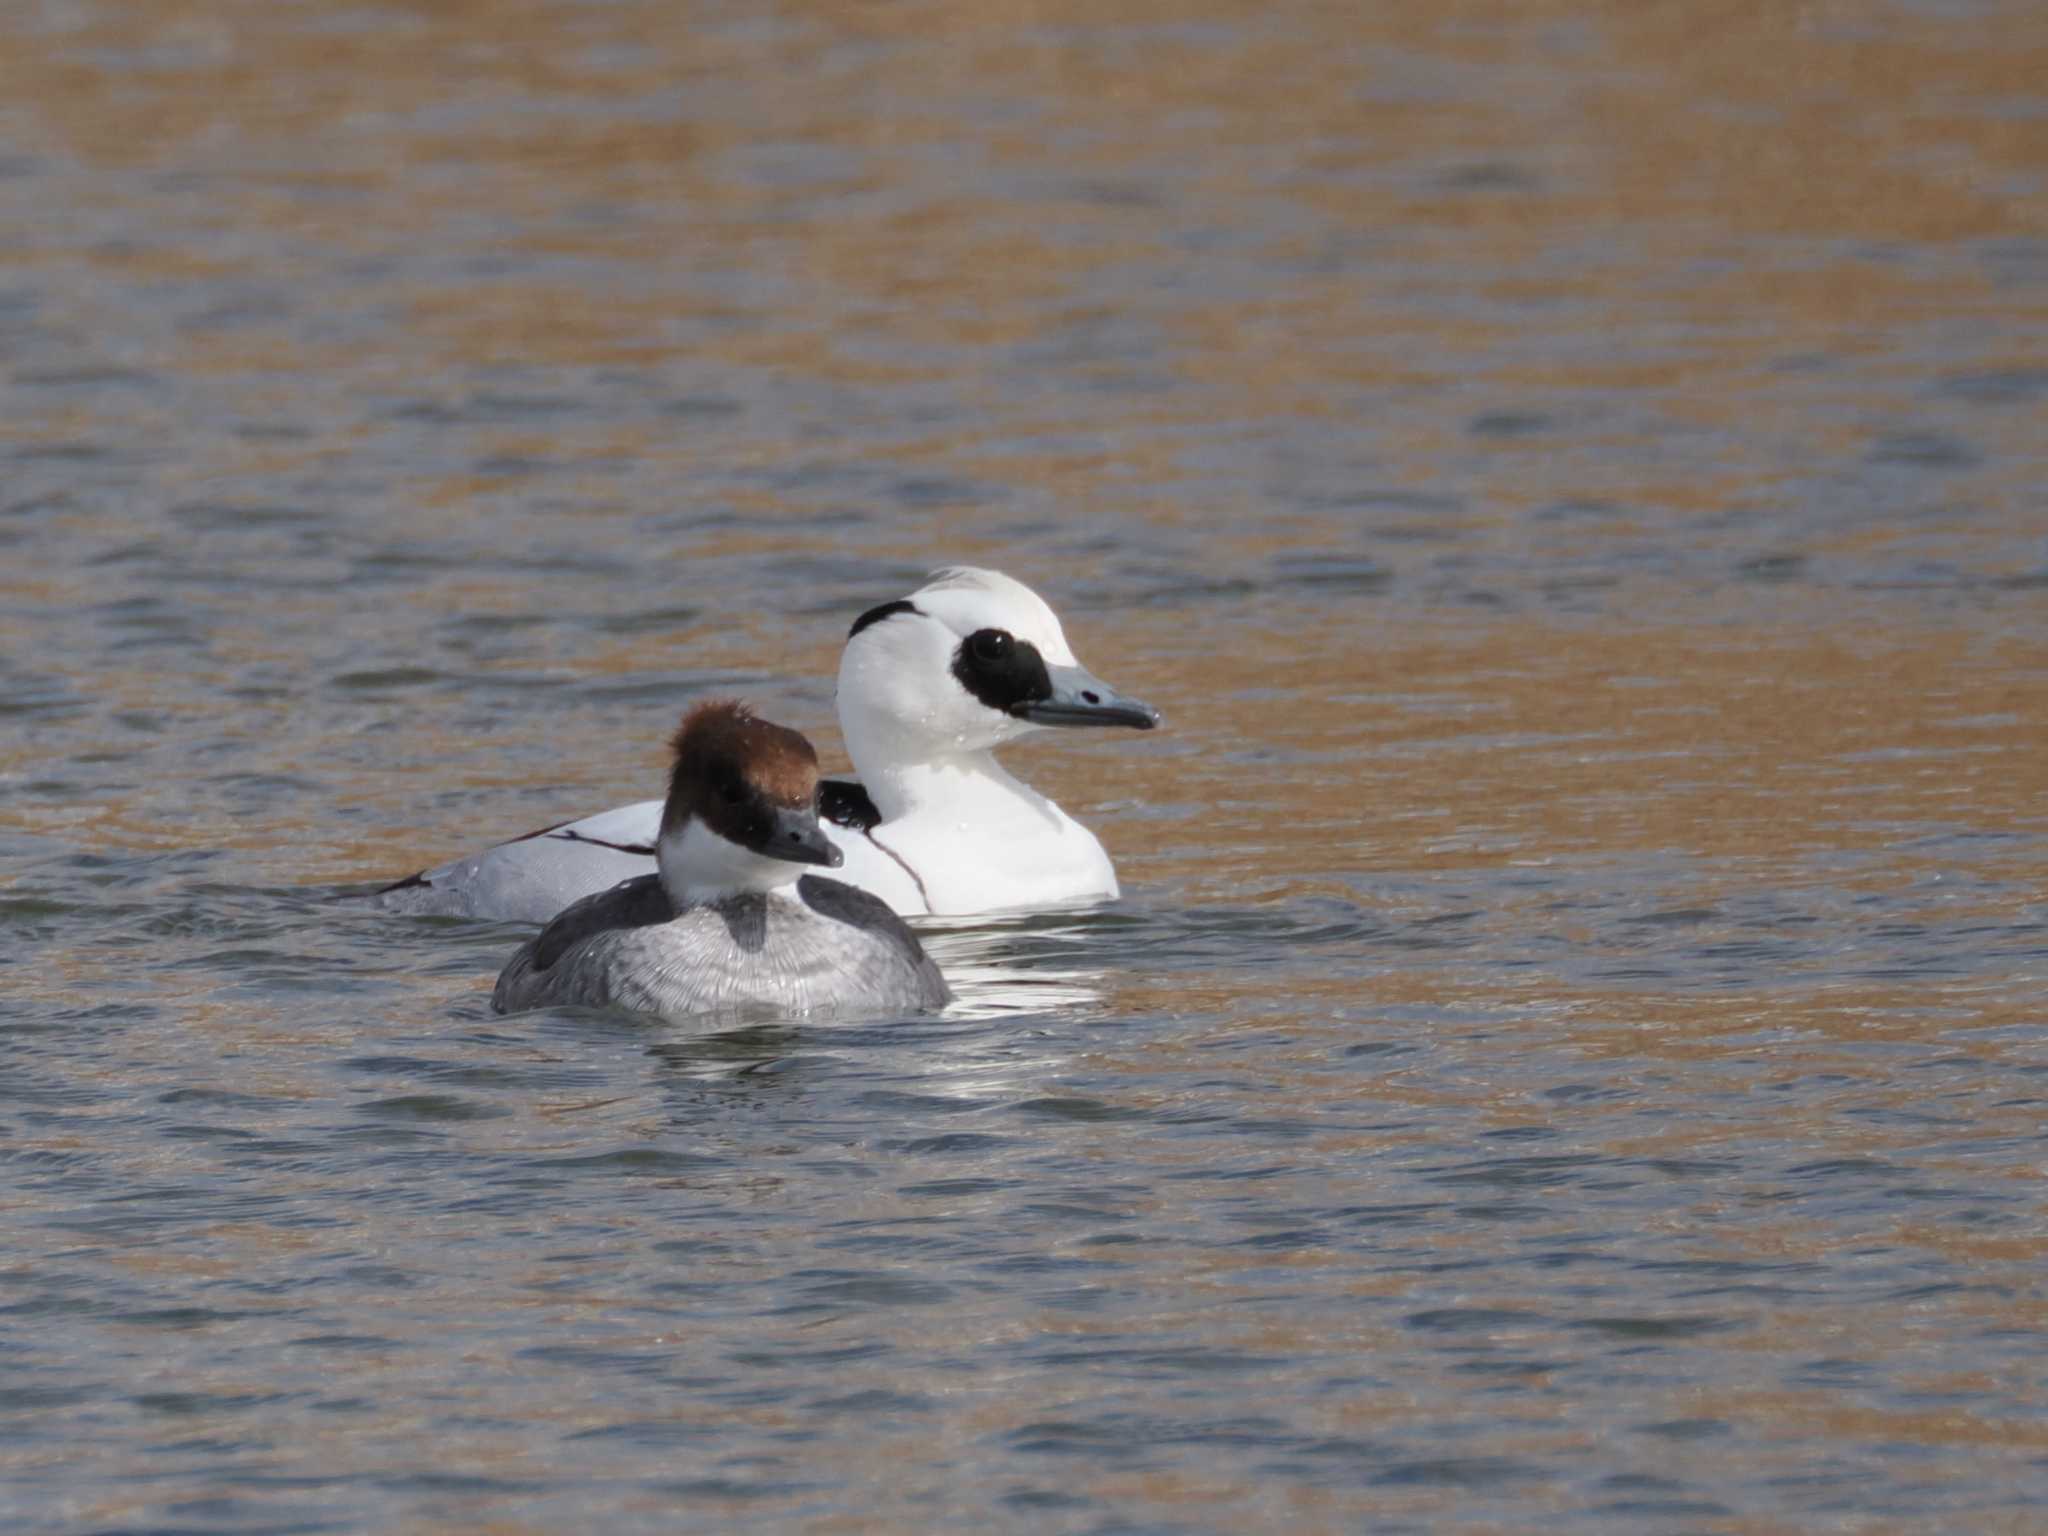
(645, 850)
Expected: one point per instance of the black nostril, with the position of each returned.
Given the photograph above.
(1092, 698)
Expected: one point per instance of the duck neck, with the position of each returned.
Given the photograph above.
(698, 866)
(968, 781)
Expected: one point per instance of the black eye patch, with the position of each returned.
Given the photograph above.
(1001, 670)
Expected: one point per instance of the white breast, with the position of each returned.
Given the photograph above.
(1027, 858)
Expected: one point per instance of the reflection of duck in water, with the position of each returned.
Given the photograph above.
(929, 687)
(730, 919)
(1021, 963)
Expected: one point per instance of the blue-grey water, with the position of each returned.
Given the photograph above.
(1572, 1052)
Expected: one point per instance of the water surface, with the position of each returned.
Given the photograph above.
(1570, 1054)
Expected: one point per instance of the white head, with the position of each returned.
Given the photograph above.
(970, 660)
(742, 805)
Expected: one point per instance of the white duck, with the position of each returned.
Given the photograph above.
(929, 686)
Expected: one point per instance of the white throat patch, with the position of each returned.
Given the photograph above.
(697, 865)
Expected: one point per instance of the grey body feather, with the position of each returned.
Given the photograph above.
(828, 947)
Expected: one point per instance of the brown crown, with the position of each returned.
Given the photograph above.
(720, 742)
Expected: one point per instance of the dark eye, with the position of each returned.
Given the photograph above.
(732, 792)
(990, 645)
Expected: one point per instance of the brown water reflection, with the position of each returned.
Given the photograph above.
(1570, 472)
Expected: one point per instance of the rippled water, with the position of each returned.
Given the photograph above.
(1571, 1053)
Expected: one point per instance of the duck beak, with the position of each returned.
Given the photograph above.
(797, 837)
(1079, 697)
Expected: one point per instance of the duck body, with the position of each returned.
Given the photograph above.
(531, 878)
(971, 838)
(818, 945)
(729, 919)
